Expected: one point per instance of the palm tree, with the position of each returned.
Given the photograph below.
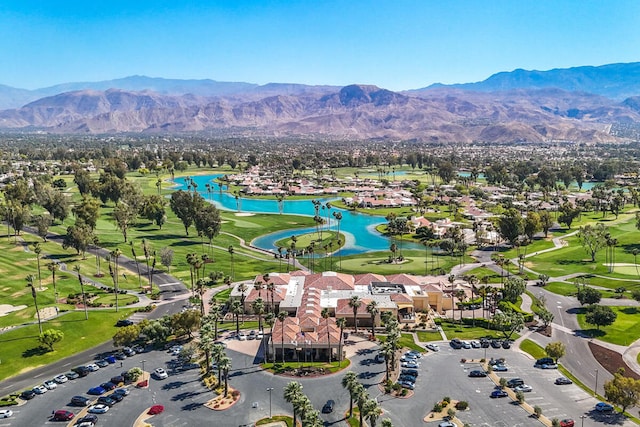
(115, 254)
(271, 288)
(258, 285)
(258, 308)
(355, 302)
(215, 312)
(270, 320)
(38, 250)
(325, 315)
(236, 309)
(387, 351)
(231, 250)
(461, 295)
(349, 382)
(201, 287)
(30, 279)
(225, 365)
(53, 267)
(341, 323)
(473, 281)
(242, 288)
(281, 316)
(135, 258)
(635, 252)
(372, 309)
(372, 411)
(292, 393)
(338, 217)
(76, 268)
(217, 353)
(207, 338)
(361, 399)
(147, 250)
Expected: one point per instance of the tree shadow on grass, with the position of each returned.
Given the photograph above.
(589, 333)
(576, 310)
(36, 351)
(630, 310)
(573, 262)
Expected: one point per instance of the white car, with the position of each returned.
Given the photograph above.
(524, 388)
(62, 378)
(50, 384)
(98, 409)
(260, 335)
(242, 336)
(5, 413)
(160, 374)
(40, 389)
(93, 367)
(475, 343)
(433, 347)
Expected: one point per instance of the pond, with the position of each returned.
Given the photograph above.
(358, 228)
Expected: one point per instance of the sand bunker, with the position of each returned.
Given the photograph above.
(8, 308)
(244, 214)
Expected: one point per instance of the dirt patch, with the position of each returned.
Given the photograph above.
(7, 308)
(611, 360)
(222, 402)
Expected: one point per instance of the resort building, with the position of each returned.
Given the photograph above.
(306, 335)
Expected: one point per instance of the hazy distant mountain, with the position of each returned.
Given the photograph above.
(13, 98)
(616, 81)
(351, 112)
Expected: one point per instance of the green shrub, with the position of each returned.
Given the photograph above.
(555, 422)
(520, 397)
(451, 412)
(537, 411)
(446, 400)
(437, 407)
(462, 405)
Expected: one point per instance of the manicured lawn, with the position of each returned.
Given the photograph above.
(332, 367)
(484, 273)
(287, 419)
(21, 350)
(466, 332)
(123, 300)
(425, 336)
(406, 341)
(624, 331)
(377, 262)
(561, 288)
(329, 239)
(532, 348)
(222, 296)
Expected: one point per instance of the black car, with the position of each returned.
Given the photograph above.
(456, 343)
(82, 371)
(515, 382)
(478, 373)
(496, 343)
(406, 377)
(108, 386)
(116, 396)
(328, 407)
(89, 418)
(105, 400)
(411, 372)
(563, 381)
(485, 343)
(120, 356)
(79, 401)
(128, 351)
(117, 380)
(506, 344)
(124, 322)
(27, 395)
(544, 361)
(102, 363)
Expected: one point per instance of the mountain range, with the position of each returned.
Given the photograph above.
(585, 104)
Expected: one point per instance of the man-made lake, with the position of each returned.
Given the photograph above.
(359, 229)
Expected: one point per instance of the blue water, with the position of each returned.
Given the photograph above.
(359, 229)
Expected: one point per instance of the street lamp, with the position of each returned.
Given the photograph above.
(595, 390)
(583, 417)
(143, 369)
(270, 389)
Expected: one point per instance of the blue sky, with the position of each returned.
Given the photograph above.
(399, 44)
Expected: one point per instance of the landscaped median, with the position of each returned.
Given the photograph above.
(305, 368)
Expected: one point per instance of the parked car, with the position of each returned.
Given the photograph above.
(506, 344)
(102, 363)
(96, 391)
(475, 343)
(259, 335)
(563, 381)
(485, 343)
(407, 384)
(27, 395)
(108, 386)
(446, 424)
(466, 344)
(122, 391)
(412, 365)
(252, 335)
(105, 400)
(72, 375)
(567, 423)
(242, 336)
(128, 351)
(82, 371)
(5, 413)
(40, 389)
(543, 361)
(63, 415)
(498, 393)
(524, 388)
(120, 356)
(111, 359)
(117, 380)
(98, 409)
(412, 372)
(328, 407)
(407, 377)
(88, 420)
(93, 367)
(433, 347)
(155, 410)
(79, 401)
(50, 384)
(160, 374)
(603, 407)
(62, 378)
(515, 382)
(124, 322)
(456, 343)
(477, 373)
(116, 396)
(408, 358)
(500, 368)
(416, 354)
(496, 343)
(549, 366)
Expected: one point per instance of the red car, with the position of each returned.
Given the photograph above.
(567, 423)
(155, 410)
(62, 415)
